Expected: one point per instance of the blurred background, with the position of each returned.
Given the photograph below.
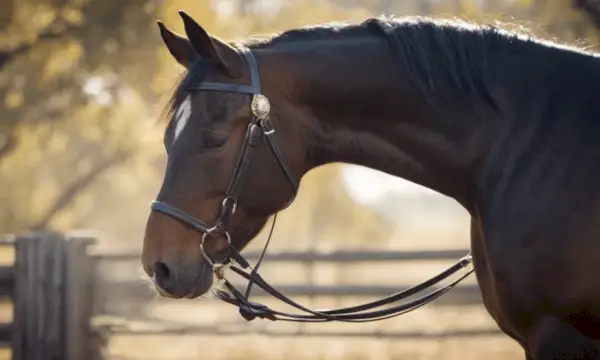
(81, 83)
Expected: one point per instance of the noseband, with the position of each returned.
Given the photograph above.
(260, 126)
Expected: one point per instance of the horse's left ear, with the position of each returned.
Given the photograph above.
(210, 47)
(179, 47)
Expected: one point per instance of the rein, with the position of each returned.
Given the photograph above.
(261, 127)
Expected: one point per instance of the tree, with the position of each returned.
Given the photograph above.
(67, 67)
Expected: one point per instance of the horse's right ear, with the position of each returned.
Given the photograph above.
(179, 46)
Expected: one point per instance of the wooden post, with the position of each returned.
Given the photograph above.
(7, 287)
(79, 274)
(39, 302)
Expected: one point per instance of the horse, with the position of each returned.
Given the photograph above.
(504, 123)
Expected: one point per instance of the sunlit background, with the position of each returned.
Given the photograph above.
(81, 83)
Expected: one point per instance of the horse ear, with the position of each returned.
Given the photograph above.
(210, 47)
(180, 47)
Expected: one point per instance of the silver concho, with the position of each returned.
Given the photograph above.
(260, 106)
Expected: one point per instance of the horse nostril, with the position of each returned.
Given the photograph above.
(161, 271)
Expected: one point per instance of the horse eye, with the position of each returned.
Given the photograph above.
(213, 141)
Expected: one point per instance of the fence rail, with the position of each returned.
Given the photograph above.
(339, 256)
(59, 292)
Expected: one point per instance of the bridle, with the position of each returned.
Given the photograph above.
(260, 126)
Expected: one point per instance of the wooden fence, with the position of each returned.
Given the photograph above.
(65, 302)
(47, 285)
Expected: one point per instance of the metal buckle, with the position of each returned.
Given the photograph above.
(467, 262)
(267, 126)
(227, 202)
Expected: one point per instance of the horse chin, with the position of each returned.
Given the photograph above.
(204, 282)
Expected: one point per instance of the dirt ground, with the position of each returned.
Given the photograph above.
(264, 348)
(431, 320)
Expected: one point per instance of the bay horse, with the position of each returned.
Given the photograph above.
(508, 125)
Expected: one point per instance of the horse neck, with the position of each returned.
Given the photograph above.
(363, 110)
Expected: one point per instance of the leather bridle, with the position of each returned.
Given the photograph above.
(260, 126)
(257, 128)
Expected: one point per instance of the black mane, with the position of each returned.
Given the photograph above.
(448, 54)
(442, 56)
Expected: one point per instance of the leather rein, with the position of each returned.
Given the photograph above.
(260, 126)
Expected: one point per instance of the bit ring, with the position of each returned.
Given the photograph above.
(210, 261)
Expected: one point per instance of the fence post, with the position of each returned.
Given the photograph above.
(79, 275)
(39, 302)
(7, 290)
